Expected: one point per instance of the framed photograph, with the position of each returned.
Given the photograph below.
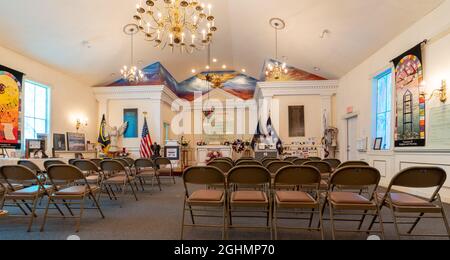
(76, 142)
(172, 153)
(378, 143)
(59, 142)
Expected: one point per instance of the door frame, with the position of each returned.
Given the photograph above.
(347, 118)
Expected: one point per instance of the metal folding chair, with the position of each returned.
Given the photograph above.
(146, 169)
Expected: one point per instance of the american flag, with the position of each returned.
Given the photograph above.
(146, 142)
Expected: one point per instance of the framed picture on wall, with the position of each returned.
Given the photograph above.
(378, 143)
(297, 121)
(59, 142)
(76, 142)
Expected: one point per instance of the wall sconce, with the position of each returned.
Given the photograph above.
(80, 123)
(441, 93)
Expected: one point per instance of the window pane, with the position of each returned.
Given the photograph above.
(381, 125)
(40, 126)
(41, 103)
(388, 131)
(381, 96)
(29, 128)
(29, 99)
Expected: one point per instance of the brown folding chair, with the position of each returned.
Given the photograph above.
(93, 174)
(333, 162)
(49, 163)
(201, 200)
(289, 203)
(405, 206)
(146, 169)
(78, 190)
(349, 203)
(313, 158)
(22, 197)
(248, 163)
(71, 161)
(34, 168)
(291, 158)
(324, 168)
(353, 163)
(165, 168)
(254, 201)
(274, 166)
(113, 170)
(224, 166)
(266, 161)
(97, 162)
(300, 161)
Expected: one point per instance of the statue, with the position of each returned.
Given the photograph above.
(156, 149)
(114, 134)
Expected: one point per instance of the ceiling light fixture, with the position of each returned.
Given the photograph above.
(276, 69)
(183, 24)
(131, 73)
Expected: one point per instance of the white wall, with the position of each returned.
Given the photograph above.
(356, 90)
(70, 99)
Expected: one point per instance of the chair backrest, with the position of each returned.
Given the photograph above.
(248, 163)
(112, 165)
(353, 163)
(244, 159)
(266, 161)
(356, 176)
(333, 162)
(224, 166)
(298, 175)
(300, 161)
(144, 163)
(85, 165)
(71, 161)
(420, 177)
(129, 160)
(273, 167)
(123, 161)
(322, 166)
(290, 158)
(315, 158)
(228, 159)
(30, 165)
(203, 176)
(17, 173)
(97, 161)
(162, 161)
(250, 175)
(66, 173)
(49, 163)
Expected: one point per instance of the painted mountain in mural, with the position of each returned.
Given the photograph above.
(233, 82)
(293, 74)
(154, 74)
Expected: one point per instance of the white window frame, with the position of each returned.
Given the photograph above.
(25, 107)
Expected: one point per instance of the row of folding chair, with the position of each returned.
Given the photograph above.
(274, 194)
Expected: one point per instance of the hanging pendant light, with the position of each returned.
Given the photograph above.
(130, 72)
(276, 69)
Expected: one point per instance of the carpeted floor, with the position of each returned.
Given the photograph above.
(157, 216)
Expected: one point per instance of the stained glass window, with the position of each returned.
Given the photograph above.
(383, 108)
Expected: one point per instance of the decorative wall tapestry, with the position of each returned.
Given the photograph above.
(10, 107)
(410, 117)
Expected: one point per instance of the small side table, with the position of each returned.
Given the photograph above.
(3, 213)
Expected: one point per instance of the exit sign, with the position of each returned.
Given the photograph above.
(350, 110)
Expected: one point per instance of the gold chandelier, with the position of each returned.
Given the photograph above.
(276, 69)
(131, 73)
(186, 25)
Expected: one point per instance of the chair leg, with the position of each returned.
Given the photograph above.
(97, 204)
(333, 226)
(381, 223)
(363, 217)
(182, 219)
(270, 220)
(192, 214)
(20, 207)
(33, 211)
(416, 222)
(159, 182)
(397, 228)
(50, 200)
(275, 222)
(322, 234)
(311, 218)
(224, 231)
(444, 217)
(81, 214)
(134, 192)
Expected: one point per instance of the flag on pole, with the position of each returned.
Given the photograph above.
(273, 136)
(256, 137)
(103, 138)
(146, 142)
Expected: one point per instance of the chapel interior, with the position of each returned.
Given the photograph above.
(224, 119)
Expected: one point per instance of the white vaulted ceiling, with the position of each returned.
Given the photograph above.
(53, 32)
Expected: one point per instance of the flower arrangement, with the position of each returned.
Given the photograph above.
(239, 146)
(184, 143)
(213, 155)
